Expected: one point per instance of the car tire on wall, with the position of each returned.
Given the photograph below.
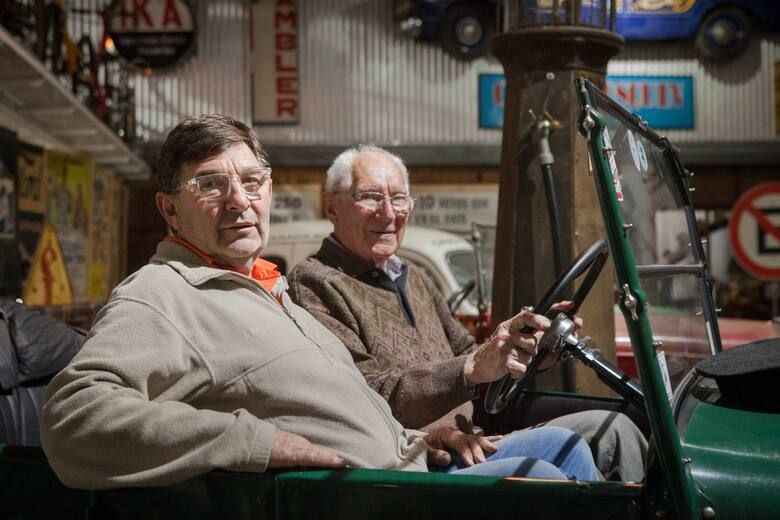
(724, 34)
(466, 30)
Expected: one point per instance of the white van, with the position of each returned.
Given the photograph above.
(447, 258)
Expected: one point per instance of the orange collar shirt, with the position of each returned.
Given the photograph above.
(263, 272)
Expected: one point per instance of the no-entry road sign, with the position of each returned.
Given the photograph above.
(754, 231)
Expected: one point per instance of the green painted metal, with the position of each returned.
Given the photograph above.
(30, 489)
(389, 495)
(680, 488)
(735, 459)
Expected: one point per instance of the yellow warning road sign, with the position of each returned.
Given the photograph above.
(48, 281)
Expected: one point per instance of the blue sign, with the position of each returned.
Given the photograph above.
(492, 88)
(662, 101)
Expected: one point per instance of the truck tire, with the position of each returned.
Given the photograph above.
(724, 34)
(466, 30)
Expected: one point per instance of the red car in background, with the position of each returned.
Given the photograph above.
(682, 345)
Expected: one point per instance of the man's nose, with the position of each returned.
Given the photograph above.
(385, 209)
(236, 198)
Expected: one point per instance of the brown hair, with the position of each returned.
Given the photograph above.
(197, 139)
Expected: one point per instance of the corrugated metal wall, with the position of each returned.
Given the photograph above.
(733, 101)
(213, 79)
(361, 81)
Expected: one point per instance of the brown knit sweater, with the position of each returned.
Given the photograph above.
(400, 333)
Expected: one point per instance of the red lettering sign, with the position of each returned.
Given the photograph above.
(499, 91)
(137, 10)
(640, 94)
(285, 19)
(290, 66)
(287, 85)
(286, 42)
(287, 107)
(171, 15)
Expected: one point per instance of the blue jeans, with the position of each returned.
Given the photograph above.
(548, 452)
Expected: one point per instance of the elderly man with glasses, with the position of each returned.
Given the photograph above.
(201, 361)
(398, 326)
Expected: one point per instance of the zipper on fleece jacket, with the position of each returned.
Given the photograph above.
(360, 383)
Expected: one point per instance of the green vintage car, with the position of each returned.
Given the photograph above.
(713, 427)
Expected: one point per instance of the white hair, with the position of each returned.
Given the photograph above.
(339, 175)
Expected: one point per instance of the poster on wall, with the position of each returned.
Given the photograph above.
(274, 71)
(69, 210)
(492, 89)
(10, 284)
(103, 238)
(299, 202)
(662, 101)
(453, 207)
(31, 191)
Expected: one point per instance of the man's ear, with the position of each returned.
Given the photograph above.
(167, 207)
(330, 207)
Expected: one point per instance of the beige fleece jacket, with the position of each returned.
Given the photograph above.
(190, 368)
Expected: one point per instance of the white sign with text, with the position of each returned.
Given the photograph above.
(454, 207)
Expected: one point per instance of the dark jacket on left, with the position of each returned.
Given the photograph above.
(33, 347)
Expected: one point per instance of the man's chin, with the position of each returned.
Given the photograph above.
(384, 250)
(243, 248)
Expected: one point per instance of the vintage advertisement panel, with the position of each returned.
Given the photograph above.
(296, 202)
(103, 233)
(31, 163)
(69, 211)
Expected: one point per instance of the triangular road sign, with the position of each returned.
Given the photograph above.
(48, 283)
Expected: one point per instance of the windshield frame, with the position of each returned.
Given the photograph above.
(632, 299)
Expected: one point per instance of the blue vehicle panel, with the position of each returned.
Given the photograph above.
(720, 28)
(673, 19)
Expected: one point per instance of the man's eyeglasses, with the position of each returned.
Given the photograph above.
(216, 186)
(373, 201)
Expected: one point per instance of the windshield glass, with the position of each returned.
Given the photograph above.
(648, 188)
(463, 266)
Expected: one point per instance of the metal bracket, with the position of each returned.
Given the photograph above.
(588, 123)
(630, 301)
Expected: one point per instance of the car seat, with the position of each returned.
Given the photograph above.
(34, 346)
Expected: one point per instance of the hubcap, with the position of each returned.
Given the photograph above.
(468, 31)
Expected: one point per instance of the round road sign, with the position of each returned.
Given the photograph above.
(754, 231)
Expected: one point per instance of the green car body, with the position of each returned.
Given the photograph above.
(708, 458)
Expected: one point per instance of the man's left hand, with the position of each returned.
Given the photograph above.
(473, 449)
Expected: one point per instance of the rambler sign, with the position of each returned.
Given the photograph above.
(274, 62)
(151, 33)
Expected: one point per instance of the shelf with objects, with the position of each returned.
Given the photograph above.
(31, 91)
(63, 249)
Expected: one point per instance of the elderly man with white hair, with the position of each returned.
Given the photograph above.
(397, 325)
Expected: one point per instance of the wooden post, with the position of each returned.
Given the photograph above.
(523, 260)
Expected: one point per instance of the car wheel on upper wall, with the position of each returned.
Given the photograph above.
(724, 34)
(466, 29)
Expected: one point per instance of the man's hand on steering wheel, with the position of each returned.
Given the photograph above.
(510, 348)
(588, 264)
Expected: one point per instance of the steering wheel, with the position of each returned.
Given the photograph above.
(590, 262)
